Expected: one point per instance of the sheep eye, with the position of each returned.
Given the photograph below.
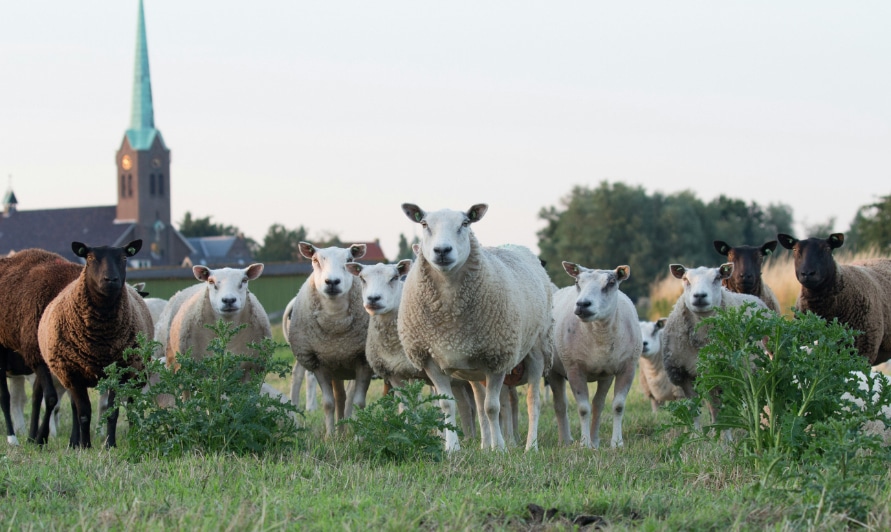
(394, 279)
(423, 223)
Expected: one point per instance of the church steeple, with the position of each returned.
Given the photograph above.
(142, 130)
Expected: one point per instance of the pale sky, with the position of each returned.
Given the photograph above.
(331, 115)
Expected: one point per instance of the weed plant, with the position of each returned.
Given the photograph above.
(788, 392)
(217, 406)
(402, 425)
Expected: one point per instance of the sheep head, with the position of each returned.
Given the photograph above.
(227, 288)
(814, 264)
(747, 262)
(329, 274)
(106, 267)
(381, 284)
(598, 290)
(702, 286)
(651, 332)
(445, 237)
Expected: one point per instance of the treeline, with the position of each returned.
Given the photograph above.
(617, 224)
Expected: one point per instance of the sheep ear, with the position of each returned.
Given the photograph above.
(416, 249)
(623, 273)
(787, 241)
(476, 213)
(403, 266)
(357, 251)
(133, 247)
(306, 249)
(354, 268)
(768, 247)
(414, 213)
(139, 286)
(254, 270)
(572, 269)
(725, 270)
(80, 249)
(677, 270)
(660, 323)
(836, 240)
(202, 273)
(722, 247)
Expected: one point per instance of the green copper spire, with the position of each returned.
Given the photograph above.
(142, 120)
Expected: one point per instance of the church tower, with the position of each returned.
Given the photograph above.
(143, 163)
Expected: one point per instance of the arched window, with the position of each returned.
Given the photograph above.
(152, 184)
(160, 184)
(130, 185)
(123, 187)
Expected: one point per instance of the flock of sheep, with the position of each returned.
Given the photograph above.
(475, 322)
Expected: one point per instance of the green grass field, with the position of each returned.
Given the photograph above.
(327, 485)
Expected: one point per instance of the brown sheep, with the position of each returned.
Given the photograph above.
(88, 326)
(746, 276)
(858, 294)
(29, 280)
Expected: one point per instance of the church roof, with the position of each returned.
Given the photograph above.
(55, 229)
(9, 198)
(142, 130)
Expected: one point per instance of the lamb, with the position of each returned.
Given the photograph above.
(299, 373)
(858, 294)
(598, 340)
(222, 294)
(29, 280)
(653, 379)
(681, 339)
(746, 277)
(88, 326)
(328, 328)
(382, 292)
(476, 313)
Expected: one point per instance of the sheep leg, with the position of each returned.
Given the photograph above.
(359, 389)
(112, 425)
(297, 376)
(466, 407)
(43, 382)
(80, 429)
(312, 387)
(533, 410)
(620, 392)
(339, 397)
(505, 417)
(687, 386)
(479, 398)
(17, 400)
(603, 386)
(4, 404)
(494, 383)
(328, 399)
(514, 409)
(558, 390)
(579, 386)
(443, 385)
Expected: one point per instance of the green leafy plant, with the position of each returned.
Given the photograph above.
(788, 390)
(402, 425)
(210, 405)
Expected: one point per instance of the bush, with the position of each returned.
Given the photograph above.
(402, 425)
(215, 410)
(781, 384)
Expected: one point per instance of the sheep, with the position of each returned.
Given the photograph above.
(328, 328)
(598, 340)
(222, 294)
(29, 280)
(652, 376)
(88, 326)
(703, 294)
(18, 398)
(299, 373)
(858, 294)
(746, 277)
(476, 313)
(381, 293)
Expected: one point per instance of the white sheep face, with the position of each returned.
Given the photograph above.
(381, 285)
(598, 290)
(227, 288)
(445, 235)
(651, 332)
(702, 286)
(329, 273)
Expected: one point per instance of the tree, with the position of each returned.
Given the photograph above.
(405, 251)
(871, 228)
(196, 227)
(281, 244)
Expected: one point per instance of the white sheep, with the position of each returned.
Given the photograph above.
(652, 376)
(598, 340)
(19, 398)
(89, 325)
(381, 293)
(299, 374)
(223, 294)
(476, 313)
(681, 339)
(858, 294)
(328, 327)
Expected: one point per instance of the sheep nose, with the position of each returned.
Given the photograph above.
(748, 277)
(442, 250)
(581, 306)
(373, 299)
(645, 344)
(698, 298)
(332, 282)
(228, 301)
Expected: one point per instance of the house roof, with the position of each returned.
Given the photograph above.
(55, 229)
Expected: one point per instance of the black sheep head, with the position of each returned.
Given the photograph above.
(747, 262)
(814, 264)
(106, 269)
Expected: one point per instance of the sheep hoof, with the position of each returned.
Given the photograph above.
(12, 440)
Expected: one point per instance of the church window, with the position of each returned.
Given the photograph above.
(160, 184)
(123, 187)
(152, 184)
(130, 185)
